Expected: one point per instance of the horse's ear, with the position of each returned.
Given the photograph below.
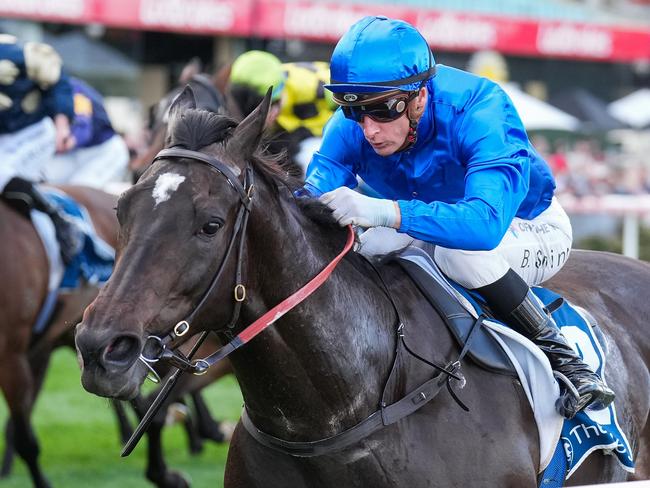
(248, 133)
(184, 101)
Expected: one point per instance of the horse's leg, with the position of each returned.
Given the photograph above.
(208, 427)
(123, 424)
(157, 471)
(18, 386)
(38, 372)
(179, 410)
(8, 456)
(192, 428)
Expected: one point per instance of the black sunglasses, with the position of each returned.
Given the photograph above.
(385, 111)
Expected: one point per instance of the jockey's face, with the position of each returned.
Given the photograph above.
(386, 138)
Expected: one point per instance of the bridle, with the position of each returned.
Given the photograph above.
(162, 348)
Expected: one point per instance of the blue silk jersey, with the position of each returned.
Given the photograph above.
(471, 171)
(23, 99)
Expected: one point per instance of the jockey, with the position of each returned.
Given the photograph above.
(306, 107)
(450, 158)
(35, 113)
(300, 106)
(251, 75)
(99, 155)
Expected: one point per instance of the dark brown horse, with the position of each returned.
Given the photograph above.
(322, 367)
(24, 271)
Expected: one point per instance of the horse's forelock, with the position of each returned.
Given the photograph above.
(195, 129)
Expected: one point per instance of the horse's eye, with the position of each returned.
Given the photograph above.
(211, 228)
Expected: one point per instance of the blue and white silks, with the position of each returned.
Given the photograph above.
(92, 265)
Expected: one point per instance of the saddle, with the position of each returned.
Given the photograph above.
(458, 307)
(483, 350)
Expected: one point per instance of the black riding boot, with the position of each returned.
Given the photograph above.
(22, 195)
(582, 386)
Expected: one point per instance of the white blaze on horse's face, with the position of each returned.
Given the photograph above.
(166, 184)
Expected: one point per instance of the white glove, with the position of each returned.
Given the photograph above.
(351, 207)
(382, 240)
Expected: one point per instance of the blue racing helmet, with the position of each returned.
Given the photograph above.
(380, 54)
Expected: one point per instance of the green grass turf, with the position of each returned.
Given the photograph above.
(80, 444)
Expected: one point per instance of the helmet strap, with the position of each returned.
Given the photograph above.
(412, 134)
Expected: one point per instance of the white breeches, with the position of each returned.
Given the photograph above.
(94, 166)
(535, 249)
(27, 152)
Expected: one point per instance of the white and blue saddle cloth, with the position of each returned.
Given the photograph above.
(93, 263)
(564, 443)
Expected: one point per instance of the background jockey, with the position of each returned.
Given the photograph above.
(306, 107)
(35, 113)
(450, 157)
(99, 155)
(300, 106)
(251, 75)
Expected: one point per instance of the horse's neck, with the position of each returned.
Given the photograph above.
(330, 354)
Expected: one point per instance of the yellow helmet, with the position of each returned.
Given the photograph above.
(258, 70)
(306, 103)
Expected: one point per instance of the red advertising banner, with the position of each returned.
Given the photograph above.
(452, 31)
(316, 21)
(321, 21)
(191, 16)
(464, 32)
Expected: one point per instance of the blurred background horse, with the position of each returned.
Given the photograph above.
(24, 273)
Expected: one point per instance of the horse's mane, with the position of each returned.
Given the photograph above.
(195, 129)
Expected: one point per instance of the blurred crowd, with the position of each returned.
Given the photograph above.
(594, 167)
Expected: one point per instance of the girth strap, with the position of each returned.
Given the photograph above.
(386, 415)
(376, 421)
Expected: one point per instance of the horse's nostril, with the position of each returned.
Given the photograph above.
(123, 350)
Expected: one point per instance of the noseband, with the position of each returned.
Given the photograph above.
(161, 348)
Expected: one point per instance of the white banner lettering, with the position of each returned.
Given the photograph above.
(70, 9)
(572, 40)
(319, 21)
(457, 32)
(195, 14)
